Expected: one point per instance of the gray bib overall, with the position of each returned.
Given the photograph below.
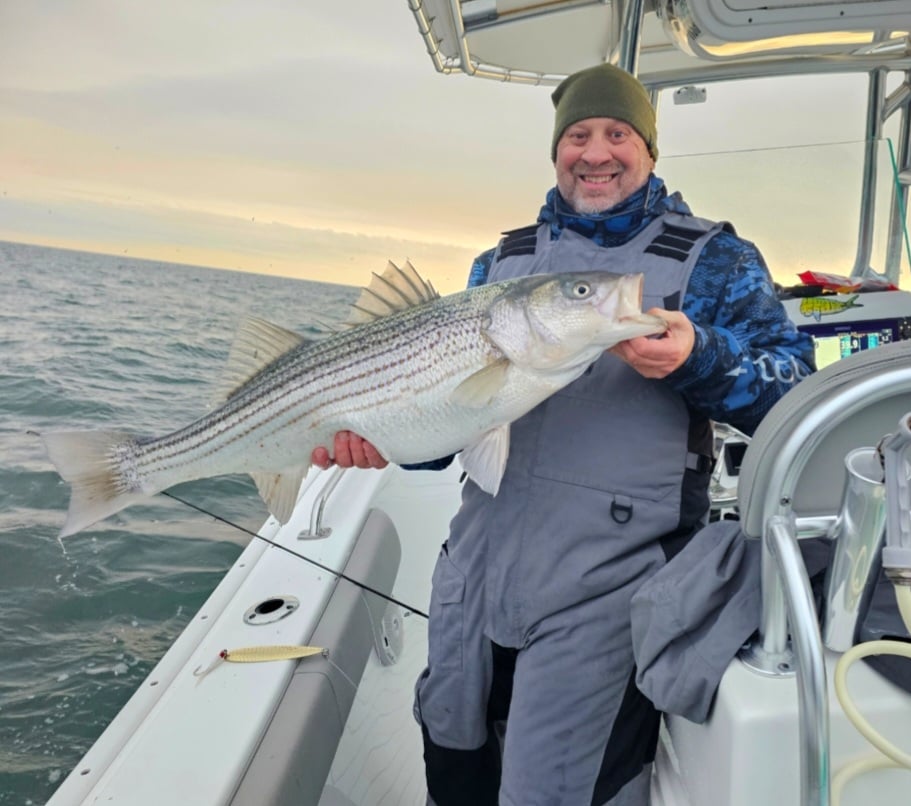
(598, 475)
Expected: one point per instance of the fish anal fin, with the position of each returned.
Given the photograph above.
(257, 344)
(485, 459)
(396, 289)
(478, 389)
(279, 491)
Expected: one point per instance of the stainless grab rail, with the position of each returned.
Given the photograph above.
(781, 537)
(317, 531)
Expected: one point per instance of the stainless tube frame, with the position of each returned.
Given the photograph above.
(630, 36)
(781, 538)
(873, 132)
(317, 531)
(699, 72)
(900, 99)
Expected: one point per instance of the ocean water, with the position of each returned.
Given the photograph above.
(92, 341)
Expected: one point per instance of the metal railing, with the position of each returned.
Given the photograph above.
(790, 640)
(316, 530)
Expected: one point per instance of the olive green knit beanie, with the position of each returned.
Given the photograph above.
(604, 91)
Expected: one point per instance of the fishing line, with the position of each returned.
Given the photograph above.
(327, 569)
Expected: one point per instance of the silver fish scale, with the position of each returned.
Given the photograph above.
(365, 379)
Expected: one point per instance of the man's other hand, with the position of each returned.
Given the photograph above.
(349, 450)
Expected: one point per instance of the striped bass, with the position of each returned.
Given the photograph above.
(418, 375)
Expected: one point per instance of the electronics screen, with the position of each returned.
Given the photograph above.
(837, 341)
(733, 457)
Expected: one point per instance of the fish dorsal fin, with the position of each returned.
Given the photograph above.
(280, 490)
(257, 344)
(396, 289)
(485, 460)
(479, 388)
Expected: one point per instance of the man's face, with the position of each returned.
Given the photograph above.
(600, 162)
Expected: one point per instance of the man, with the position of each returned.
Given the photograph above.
(606, 480)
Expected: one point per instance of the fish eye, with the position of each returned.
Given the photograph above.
(580, 289)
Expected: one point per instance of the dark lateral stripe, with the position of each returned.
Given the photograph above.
(372, 360)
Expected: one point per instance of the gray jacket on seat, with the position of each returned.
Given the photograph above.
(690, 619)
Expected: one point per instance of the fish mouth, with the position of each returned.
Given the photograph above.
(642, 318)
(628, 300)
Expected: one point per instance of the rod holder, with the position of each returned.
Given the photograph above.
(857, 538)
(896, 451)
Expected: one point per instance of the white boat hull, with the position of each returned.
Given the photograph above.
(261, 733)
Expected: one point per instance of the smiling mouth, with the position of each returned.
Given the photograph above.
(598, 179)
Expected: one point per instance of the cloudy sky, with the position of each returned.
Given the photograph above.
(316, 140)
(288, 137)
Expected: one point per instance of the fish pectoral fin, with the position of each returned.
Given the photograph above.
(478, 389)
(485, 460)
(396, 289)
(280, 490)
(257, 344)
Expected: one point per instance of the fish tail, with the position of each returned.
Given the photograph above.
(93, 464)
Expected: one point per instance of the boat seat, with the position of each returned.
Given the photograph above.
(795, 461)
(778, 741)
(794, 467)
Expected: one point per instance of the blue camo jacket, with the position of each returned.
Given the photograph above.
(747, 352)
